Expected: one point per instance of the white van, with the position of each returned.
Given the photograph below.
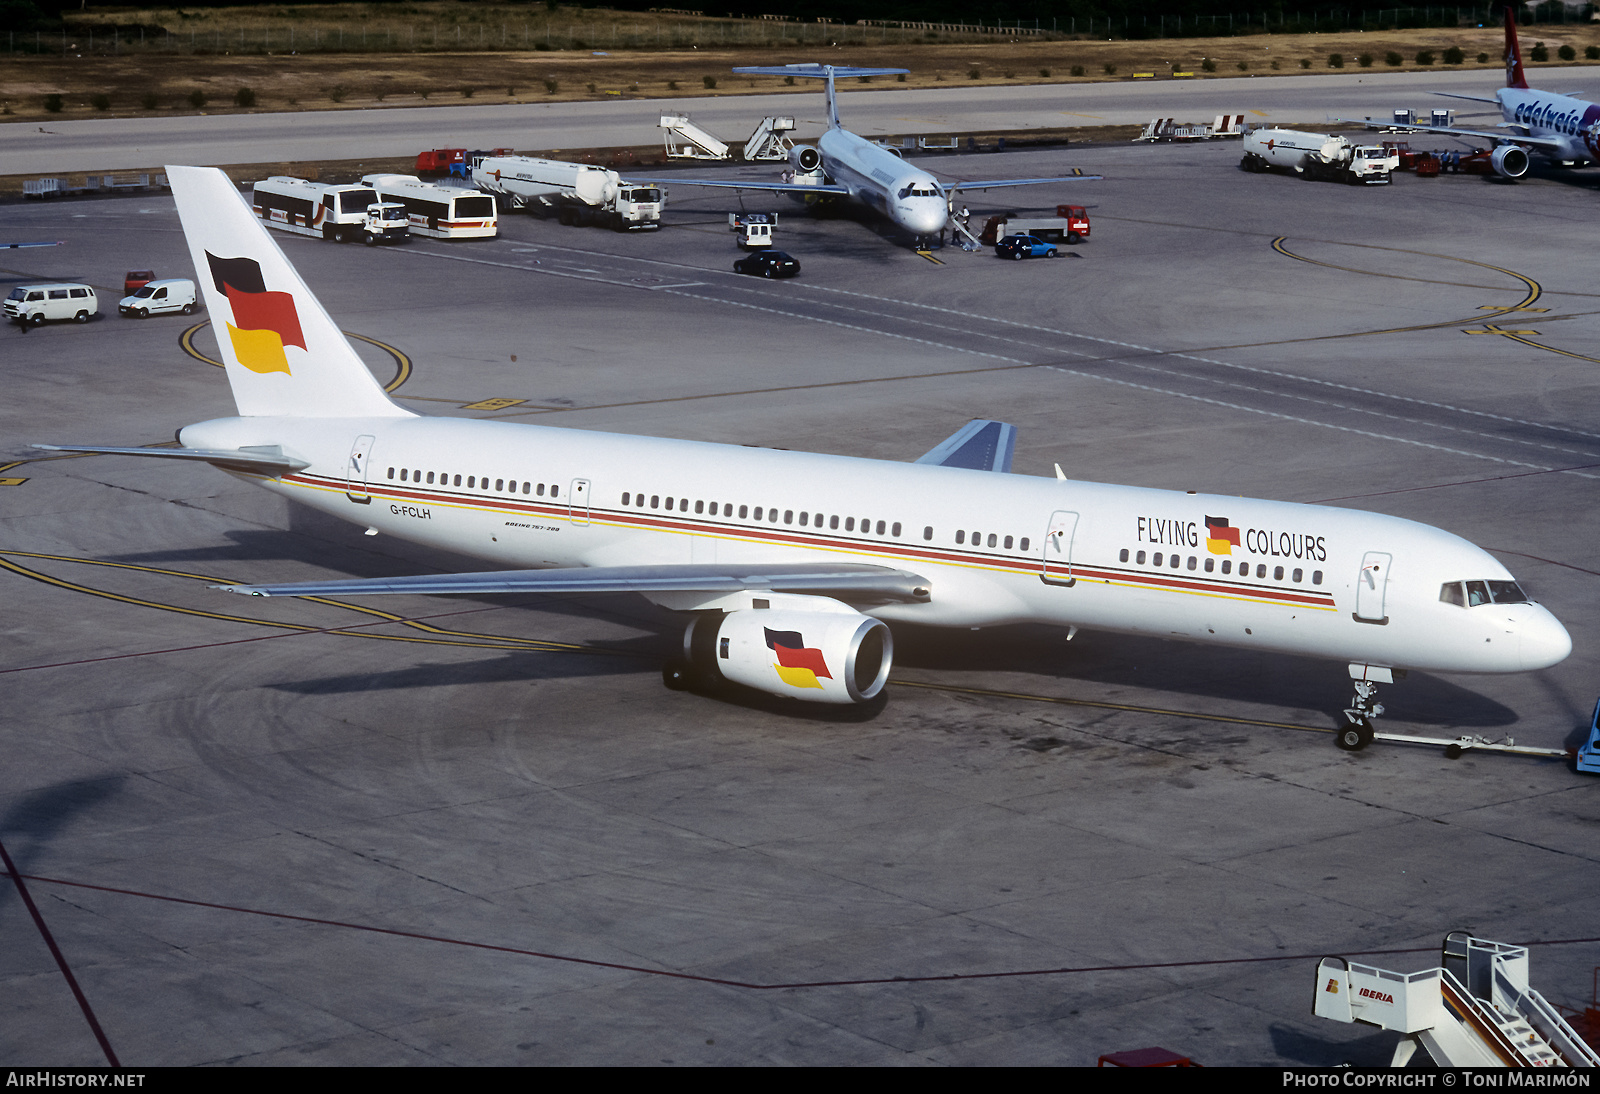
(35, 303)
(173, 294)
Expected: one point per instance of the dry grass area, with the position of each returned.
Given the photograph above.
(136, 83)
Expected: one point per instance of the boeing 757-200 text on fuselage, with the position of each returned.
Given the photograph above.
(790, 564)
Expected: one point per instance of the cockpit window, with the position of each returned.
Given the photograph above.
(1470, 594)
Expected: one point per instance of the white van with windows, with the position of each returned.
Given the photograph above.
(173, 294)
(33, 304)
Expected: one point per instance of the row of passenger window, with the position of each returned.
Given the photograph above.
(804, 518)
(995, 540)
(1176, 561)
(1470, 594)
(475, 482)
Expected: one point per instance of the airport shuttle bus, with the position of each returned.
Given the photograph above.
(312, 208)
(444, 212)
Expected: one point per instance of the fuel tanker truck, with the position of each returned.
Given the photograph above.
(1317, 156)
(580, 193)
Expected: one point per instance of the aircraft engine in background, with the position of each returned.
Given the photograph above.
(1509, 161)
(805, 159)
(830, 656)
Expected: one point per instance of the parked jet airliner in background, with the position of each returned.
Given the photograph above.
(790, 563)
(846, 165)
(1560, 127)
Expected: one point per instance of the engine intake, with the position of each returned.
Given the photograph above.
(838, 657)
(1509, 161)
(802, 157)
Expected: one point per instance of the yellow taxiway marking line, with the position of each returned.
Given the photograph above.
(492, 404)
(1511, 307)
(930, 258)
(1490, 328)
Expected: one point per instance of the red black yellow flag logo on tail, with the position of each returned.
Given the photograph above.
(798, 666)
(263, 322)
(1220, 539)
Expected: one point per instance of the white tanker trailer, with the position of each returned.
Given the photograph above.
(1317, 155)
(579, 192)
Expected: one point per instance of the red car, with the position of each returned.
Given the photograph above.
(136, 280)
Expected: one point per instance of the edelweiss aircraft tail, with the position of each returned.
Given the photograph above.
(284, 355)
(1514, 74)
(825, 72)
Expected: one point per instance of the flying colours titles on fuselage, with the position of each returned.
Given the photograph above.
(1221, 538)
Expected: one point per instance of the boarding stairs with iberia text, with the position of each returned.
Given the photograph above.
(1475, 1010)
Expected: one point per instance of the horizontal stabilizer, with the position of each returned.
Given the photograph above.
(980, 445)
(255, 458)
(847, 581)
(818, 71)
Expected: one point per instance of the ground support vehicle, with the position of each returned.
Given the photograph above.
(31, 305)
(334, 212)
(1588, 757)
(767, 264)
(1023, 246)
(580, 193)
(442, 212)
(755, 229)
(1069, 225)
(385, 222)
(1317, 155)
(168, 296)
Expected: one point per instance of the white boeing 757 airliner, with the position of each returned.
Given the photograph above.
(790, 562)
(846, 165)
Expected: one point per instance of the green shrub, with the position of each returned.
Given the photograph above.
(1243, 66)
(1591, 52)
(1539, 52)
(468, 92)
(1079, 70)
(1208, 65)
(1454, 56)
(1483, 58)
(339, 94)
(972, 74)
(1335, 60)
(710, 82)
(1567, 53)
(1365, 60)
(591, 89)
(1305, 62)
(52, 103)
(863, 79)
(1111, 70)
(552, 86)
(149, 101)
(1392, 59)
(1044, 73)
(1425, 57)
(672, 85)
(900, 77)
(244, 97)
(100, 102)
(197, 98)
(511, 93)
(789, 80)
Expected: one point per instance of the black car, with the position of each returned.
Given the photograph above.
(767, 264)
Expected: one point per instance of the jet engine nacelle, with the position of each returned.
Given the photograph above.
(820, 657)
(805, 159)
(1509, 161)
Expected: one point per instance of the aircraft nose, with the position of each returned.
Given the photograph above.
(926, 218)
(1543, 641)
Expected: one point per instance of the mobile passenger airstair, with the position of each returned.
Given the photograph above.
(1475, 1010)
(686, 141)
(770, 141)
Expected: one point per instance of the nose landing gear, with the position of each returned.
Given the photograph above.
(1357, 734)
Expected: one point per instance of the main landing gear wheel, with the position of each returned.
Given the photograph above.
(676, 676)
(1354, 737)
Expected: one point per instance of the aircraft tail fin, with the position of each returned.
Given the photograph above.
(1515, 77)
(283, 354)
(824, 72)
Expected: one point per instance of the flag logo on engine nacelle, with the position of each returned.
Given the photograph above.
(798, 665)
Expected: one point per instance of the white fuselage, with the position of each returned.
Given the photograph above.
(1573, 122)
(994, 548)
(883, 181)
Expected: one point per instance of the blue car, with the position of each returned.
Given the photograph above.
(1589, 752)
(1024, 247)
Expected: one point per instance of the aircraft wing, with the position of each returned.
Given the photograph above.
(1473, 98)
(847, 581)
(980, 445)
(269, 458)
(1505, 136)
(778, 187)
(986, 184)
